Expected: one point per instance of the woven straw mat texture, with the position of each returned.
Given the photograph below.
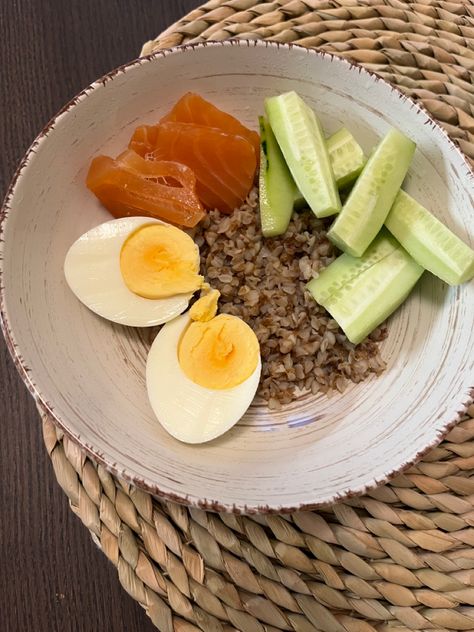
(400, 558)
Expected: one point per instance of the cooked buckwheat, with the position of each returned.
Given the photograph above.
(263, 281)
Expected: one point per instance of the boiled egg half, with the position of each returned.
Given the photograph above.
(202, 372)
(134, 271)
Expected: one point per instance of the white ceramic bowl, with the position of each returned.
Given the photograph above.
(89, 374)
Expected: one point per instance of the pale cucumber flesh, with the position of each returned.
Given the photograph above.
(347, 161)
(276, 185)
(301, 140)
(346, 268)
(373, 194)
(430, 243)
(368, 298)
(347, 157)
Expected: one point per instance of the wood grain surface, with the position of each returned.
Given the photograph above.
(52, 577)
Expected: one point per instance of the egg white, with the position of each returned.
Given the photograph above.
(189, 412)
(92, 271)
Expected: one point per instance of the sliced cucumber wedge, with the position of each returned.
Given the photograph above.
(347, 157)
(347, 161)
(301, 140)
(429, 241)
(373, 194)
(346, 268)
(374, 288)
(276, 185)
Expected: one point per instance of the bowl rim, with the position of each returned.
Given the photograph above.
(46, 408)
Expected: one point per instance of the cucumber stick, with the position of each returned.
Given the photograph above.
(276, 185)
(301, 140)
(347, 160)
(429, 241)
(373, 194)
(346, 156)
(361, 292)
(346, 268)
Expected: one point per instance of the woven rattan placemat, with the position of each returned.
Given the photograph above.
(400, 558)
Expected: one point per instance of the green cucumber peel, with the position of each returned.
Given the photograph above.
(276, 185)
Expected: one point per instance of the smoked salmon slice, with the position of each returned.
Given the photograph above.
(192, 108)
(224, 164)
(130, 185)
(143, 140)
(197, 156)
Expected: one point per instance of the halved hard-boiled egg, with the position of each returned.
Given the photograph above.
(134, 271)
(202, 372)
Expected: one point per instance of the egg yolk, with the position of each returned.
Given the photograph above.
(159, 260)
(206, 307)
(218, 353)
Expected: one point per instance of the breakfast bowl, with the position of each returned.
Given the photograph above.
(89, 374)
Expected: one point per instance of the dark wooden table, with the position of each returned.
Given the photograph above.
(52, 577)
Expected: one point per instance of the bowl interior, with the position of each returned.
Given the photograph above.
(90, 374)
